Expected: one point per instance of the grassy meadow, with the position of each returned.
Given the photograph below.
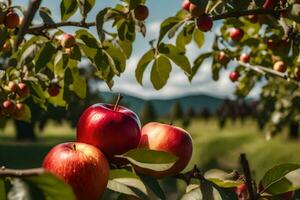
(213, 148)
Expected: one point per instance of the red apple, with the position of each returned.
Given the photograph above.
(196, 11)
(186, 5)
(68, 41)
(242, 191)
(113, 130)
(245, 58)
(53, 89)
(204, 23)
(12, 20)
(234, 76)
(167, 138)
(141, 12)
(279, 66)
(82, 166)
(23, 90)
(236, 34)
(11, 86)
(8, 107)
(223, 58)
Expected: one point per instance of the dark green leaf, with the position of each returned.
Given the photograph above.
(126, 47)
(185, 36)
(200, 3)
(100, 19)
(199, 37)
(117, 55)
(206, 190)
(85, 6)
(79, 84)
(160, 71)
(2, 190)
(45, 14)
(198, 62)
(176, 55)
(44, 56)
(68, 8)
(149, 159)
(142, 65)
(153, 184)
(276, 173)
(166, 26)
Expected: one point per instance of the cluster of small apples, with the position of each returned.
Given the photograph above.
(204, 22)
(104, 131)
(12, 106)
(10, 20)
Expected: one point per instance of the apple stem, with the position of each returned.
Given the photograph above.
(74, 147)
(120, 97)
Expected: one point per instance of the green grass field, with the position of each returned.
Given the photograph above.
(213, 148)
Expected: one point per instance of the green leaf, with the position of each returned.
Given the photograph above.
(149, 159)
(3, 36)
(79, 84)
(51, 187)
(199, 37)
(277, 173)
(68, 8)
(166, 26)
(281, 187)
(206, 190)
(177, 56)
(117, 55)
(185, 36)
(100, 19)
(160, 72)
(45, 14)
(126, 47)
(44, 56)
(142, 65)
(75, 53)
(153, 184)
(2, 190)
(239, 5)
(125, 182)
(175, 28)
(85, 6)
(26, 115)
(201, 3)
(198, 62)
(134, 3)
(224, 183)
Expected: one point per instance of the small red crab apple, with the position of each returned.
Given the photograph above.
(23, 90)
(237, 34)
(83, 166)
(12, 20)
(204, 23)
(279, 66)
(141, 12)
(242, 191)
(245, 58)
(234, 76)
(272, 44)
(53, 89)
(8, 107)
(167, 138)
(223, 58)
(68, 41)
(186, 5)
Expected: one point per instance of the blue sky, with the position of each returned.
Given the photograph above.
(178, 84)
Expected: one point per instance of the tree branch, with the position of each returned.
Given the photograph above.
(247, 173)
(29, 15)
(241, 13)
(17, 173)
(83, 24)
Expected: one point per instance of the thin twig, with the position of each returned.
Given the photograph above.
(17, 173)
(29, 15)
(247, 173)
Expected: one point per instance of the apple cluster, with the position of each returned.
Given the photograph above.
(204, 22)
(105, 131)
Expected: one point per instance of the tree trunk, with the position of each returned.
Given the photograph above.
(25, 131)
(294, 130)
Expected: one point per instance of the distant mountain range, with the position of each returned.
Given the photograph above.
(162, 107)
